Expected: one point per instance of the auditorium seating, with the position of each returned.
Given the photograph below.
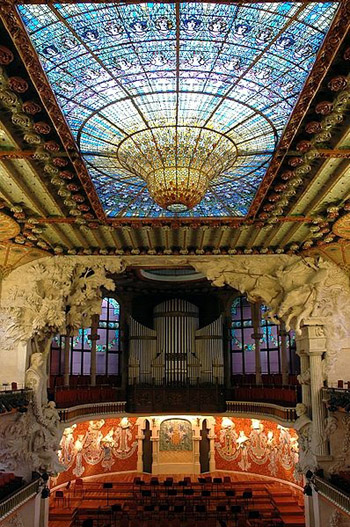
(66, 397)
(13, 400)
(274, 394)
(250, 503)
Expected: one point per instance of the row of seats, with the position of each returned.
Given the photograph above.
(9, 483)
(13, 400)
(272, 379)
(85, 395)
(265, 394)
(57, 381)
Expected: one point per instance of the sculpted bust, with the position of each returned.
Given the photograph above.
(303, 419)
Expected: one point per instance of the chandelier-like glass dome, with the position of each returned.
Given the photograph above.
(177, 162)
(177, 107)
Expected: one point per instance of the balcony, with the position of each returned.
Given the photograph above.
(281, 414)
(85, 402)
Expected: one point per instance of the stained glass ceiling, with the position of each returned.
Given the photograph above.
(147, 88)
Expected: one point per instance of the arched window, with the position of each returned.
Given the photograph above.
(107, 346)
(243, 342)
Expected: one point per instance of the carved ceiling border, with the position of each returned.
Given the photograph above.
(326, 54)
(15, 27)
(330, 46)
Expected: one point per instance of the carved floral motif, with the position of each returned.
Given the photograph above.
(6, 56)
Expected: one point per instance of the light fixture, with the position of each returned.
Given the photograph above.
(242, 439)
(177, 162)
(308, 490)
(255, 424)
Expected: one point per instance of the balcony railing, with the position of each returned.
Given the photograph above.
(268, 410)
(11, 503)
(144, 398)
(332, 494)
(93, 409)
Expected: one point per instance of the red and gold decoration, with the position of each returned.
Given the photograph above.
(97, 447)
(254, 446)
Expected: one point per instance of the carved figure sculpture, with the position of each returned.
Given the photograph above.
(36, 379)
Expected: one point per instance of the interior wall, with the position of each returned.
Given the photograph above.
(104, 446)
(98, 447)
(256, 446)
(16, 364)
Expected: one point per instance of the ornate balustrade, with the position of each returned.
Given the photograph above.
(90, 410)
(18, 498)
(267, 410)
(332, 494)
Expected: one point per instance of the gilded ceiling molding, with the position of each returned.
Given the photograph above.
(307, 153)
(14, 26)
(329, 49)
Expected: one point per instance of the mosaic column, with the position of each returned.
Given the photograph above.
(284, 358)
(304, 377)
(66, 368)
(257, 336)
(93, 337)
(313, 342)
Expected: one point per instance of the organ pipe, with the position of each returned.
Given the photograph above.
(176, 351)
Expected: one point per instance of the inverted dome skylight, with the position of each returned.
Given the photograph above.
(177, 108)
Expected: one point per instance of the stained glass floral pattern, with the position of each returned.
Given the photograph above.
(120, 70)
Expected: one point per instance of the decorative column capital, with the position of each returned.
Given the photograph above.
(312, 340)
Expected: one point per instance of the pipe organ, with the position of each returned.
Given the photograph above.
(176, 351)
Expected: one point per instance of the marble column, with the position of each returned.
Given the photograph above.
(211, 437)
(196, 461)
(284, 358)
(140, 437)
(313, 343)
(155, 426)
(93, 337)
(318, 406)
(66, 365)
(257, 336)
(304, 377)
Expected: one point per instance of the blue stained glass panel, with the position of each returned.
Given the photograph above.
(118, 69)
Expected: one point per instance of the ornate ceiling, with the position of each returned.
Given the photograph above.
(68, 172)
(203, 87)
